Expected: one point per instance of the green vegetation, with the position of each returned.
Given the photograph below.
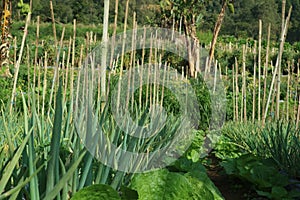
(47, 125)
(242, 23)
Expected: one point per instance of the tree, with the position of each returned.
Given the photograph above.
(217, 28)
(186, 14)
(85, 11)
(244, 21)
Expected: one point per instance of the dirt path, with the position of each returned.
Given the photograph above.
(231, 188)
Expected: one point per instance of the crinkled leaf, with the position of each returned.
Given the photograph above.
(163, 184)
(96, 192)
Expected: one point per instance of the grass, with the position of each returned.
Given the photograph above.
(278, 140)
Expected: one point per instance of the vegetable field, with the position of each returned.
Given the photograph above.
(132, 110)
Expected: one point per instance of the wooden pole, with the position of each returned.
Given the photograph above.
(279, 67)
(37, 40)
(73, 60)
(122, 55)
(17, 66)
(44, 83)
(68, 65)
(298, 113)
(288, 92)
(236, 90)
(115, 31)
(283, 14)
(296, 90)
(266, 70)
(233, 94)
(254, 85)
(278, 61)
(28, 75)
(104, 53)
(244, 84)
(259, 72)
(53, 25)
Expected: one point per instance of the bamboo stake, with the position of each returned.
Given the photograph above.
(122, 56)
(15, 51)
(153, 93)
(63, 74)
(266, 70)
(36, 52)
(278, 61)
(294, 97)
(67, 66)
(244, 84)
(39, 86)
(34, 77)
(278, 92)
(297, 86)
(233, 94)
(142, 68)
(283, 14)
(259, 71)
(254, 86)
(44, 83)
(87, 43)
(124, 36)
(37, 40)
(28, 76)
(159, 67)
(298, 115)
(279, 69)
(17, 66)
(288, 93)
(80, 57)
(141, 86)
(73, 61)
(273, 101)
(53, 25)
(115, 31)
(148, 73)
(236, 90)
(104, 53)
(132, 56)
(74, 40)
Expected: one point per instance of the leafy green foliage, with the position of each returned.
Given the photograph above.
(263, 174)
(24, 7)
(95, 192)
(163, 184)
(278, 141)
(244, 20)
(128, 194)
(225, 149)
(197, 171)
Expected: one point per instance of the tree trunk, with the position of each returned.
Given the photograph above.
(216, 32)
(191, 44)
